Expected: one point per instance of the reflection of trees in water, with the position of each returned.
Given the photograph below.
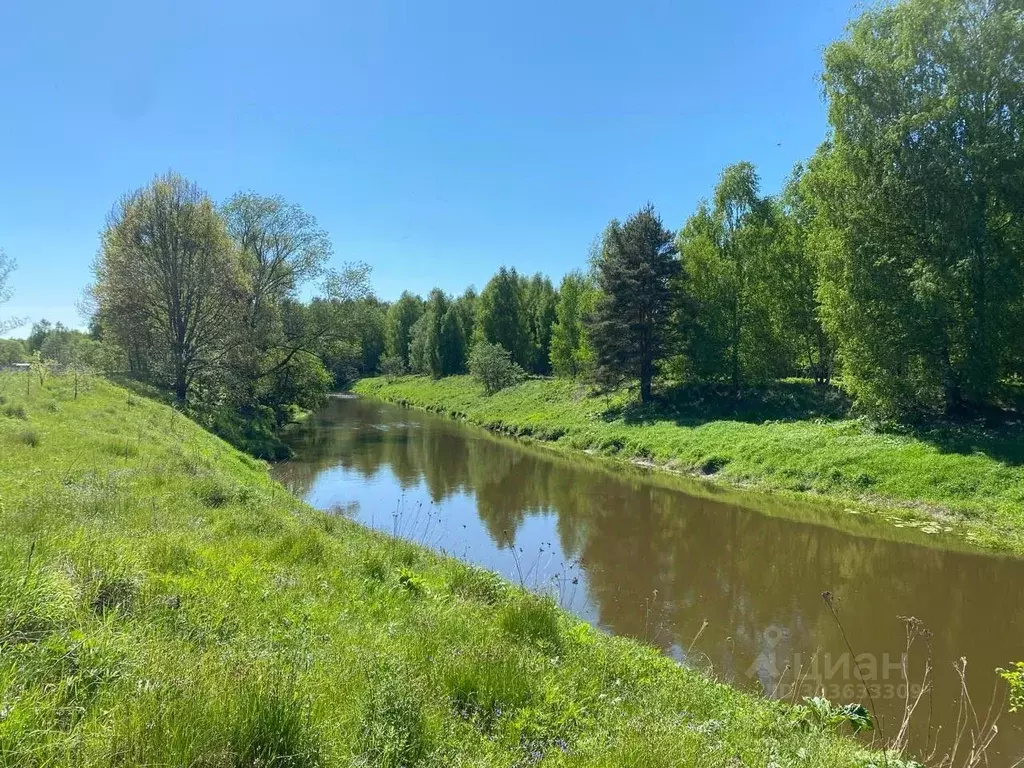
(659, 562)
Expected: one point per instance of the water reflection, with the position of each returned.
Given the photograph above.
(639, 557)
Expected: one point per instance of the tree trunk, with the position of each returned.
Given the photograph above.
(646, 374)
(180, 385)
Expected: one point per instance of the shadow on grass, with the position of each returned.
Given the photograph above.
(997, 433)
(693, 405)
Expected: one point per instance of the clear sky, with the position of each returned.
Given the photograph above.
(433, 140)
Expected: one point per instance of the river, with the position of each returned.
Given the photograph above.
(730, 585)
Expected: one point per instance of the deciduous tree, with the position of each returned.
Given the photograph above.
(571, 354)
(167, 273)
(401, 317)
(922, 198)
(501, 316)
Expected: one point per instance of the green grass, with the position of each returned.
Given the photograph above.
(794, 440)
(164, 603)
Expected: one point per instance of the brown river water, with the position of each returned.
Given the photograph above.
(658, 558)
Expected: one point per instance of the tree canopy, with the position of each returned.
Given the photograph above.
(629, 326)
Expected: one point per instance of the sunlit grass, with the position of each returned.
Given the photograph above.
(163, 602)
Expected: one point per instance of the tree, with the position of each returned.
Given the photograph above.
(438, 346)
(419, 345)
(921, 196)
(571, 354)
(167, 274)
(539, 300)
(466, 306)
(492, 366)
(280, 249)
(391, 366)
(12, 351)
(501, 317)
(731, 277)
(401, 317)
(629, 328)
(344, 327)
(452, 343)
(7, 266)
(437, 307)
(797, 275)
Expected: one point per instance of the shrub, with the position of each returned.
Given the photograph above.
(492, 366)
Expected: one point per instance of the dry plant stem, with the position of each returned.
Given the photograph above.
(827, 597)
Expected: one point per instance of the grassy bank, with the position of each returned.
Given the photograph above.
(798, 442)
(163, 602)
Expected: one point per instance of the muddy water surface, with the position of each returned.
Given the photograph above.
(731, 587)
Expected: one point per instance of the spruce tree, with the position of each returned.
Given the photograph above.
(630, 327)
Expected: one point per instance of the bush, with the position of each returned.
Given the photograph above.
(492, 366)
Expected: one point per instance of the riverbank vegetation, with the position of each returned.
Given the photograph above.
(793, 437)
(890, 263)
(163, 602)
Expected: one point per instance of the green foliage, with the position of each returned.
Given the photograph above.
(492, 366)
(419, 346)
(401, 317)
(794, 284)
(139, 625)
(1014, 678)
(391, 366)
(252, 429)
(171, 326)
(571, 354)
(539, 302)
(922, 208)
(393, 730)
(503, 318)
(451, 343)
(629, 328)
(791, 438)
(12, 351)
(733, 276)
(438, 345)
(534, 620)
(822, 713)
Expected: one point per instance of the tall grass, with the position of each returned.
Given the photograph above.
(170, 605)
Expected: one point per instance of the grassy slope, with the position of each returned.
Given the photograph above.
(163, 602)
(974, 492)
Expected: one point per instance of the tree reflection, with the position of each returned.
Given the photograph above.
(659, 562)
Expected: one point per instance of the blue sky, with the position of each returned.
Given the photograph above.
(435, 141)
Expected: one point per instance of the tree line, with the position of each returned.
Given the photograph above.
(892, 259)
(890, 262)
